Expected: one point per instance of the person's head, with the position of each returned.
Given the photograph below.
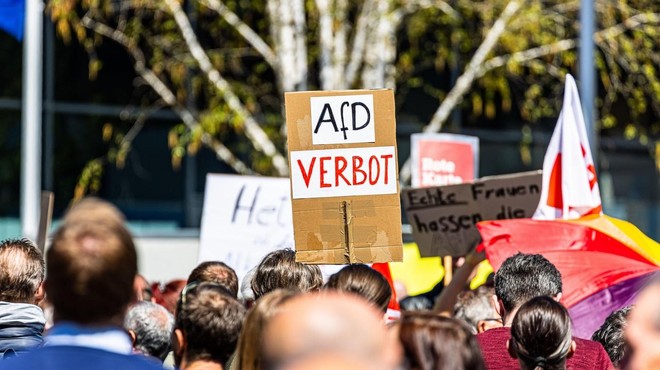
(250, 342)
(92, 209)
(643, 330)
(207, 324)
(142, 290)
(150, 327)
(523, 277)
(611, 335)
(216, 272)
(22, 271)
(168, 295)
(328, 322)
(541, 335)
(247, 294)
(433, 342)
(91, 271)
(364, 281)
(279, 270)
(476, 308)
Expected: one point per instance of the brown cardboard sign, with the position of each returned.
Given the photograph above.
(443, 218)
(344, 176)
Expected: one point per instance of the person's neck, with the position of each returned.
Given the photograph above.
(201, 365)
(508, 317)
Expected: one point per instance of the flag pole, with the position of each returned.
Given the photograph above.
(31, 119)
(588, 74)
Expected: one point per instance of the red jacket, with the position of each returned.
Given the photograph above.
(588, 355)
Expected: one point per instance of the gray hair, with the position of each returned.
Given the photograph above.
(152, 325)
(475, 305)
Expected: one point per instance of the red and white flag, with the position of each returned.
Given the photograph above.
(570, 186)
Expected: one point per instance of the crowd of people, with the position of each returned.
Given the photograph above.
(93, 311)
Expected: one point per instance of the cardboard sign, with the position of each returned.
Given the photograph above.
(344, 176)
(244, 218)
(443, 159)
(443, 218)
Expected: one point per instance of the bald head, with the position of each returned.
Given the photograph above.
(329, 322)
(643, 330)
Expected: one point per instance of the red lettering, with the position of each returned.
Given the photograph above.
(386, 157)
(339, 170)
(307, 175)
(373, 159)
(356, 169)
(323, 172)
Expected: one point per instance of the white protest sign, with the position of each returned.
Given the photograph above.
(343, 172)
(244, 218)
(342, 119)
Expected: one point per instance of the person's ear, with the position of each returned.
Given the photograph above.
(40, 294)
(484, 325)
(571, 350)
(178, 342)
(510, 349)
(133, 336)
(499, 306)
(557, 297)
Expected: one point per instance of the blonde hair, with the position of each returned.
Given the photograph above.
(249, 349)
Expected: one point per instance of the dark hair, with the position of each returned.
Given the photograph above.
(216, 272)
(611, 335)
(91, 270)
(365, 282)
(279, 270)
(476, 305)
(433, 342)
(211, 321)
(525, 276)
(152, 325)
(22, 270)
(541, 334)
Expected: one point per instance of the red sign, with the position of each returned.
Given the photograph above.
(444, 160)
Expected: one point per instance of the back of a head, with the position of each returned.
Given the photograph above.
(612, 335)
(210, 321)
(249, 349)
(92, 209)
(328, 322)
(91, 270)
(433, 342)
(152, 326)
(365, 282)
(22, 271)
(279, 270)
(216, 272)
(473, 306)
(525, 276)
(541, 334)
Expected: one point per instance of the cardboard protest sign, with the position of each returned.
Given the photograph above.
(344, 176)
(443, 218)
(443, 159)
(244, 218)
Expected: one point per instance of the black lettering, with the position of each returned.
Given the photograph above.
(476, 190)
(534, 189)
(421, 226)
(331, 118)
(365, 124)
(250, 209)
(265, 211)
(280, 211)
(343, 125)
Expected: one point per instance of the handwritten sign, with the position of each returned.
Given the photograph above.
(244, 218)
(443, 218)
(443, 159)
(344, 176)
(343, 119)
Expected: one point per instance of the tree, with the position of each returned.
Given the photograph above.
(223, 66)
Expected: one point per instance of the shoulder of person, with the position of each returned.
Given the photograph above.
(592, 353)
